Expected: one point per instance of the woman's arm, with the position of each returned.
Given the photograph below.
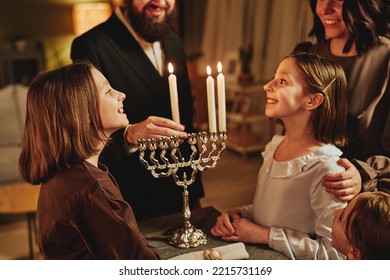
(375, 172)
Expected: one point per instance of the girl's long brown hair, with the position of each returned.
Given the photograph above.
(63, 125)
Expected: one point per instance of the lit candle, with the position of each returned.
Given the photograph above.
(173, 94)
(221, 99)
(211, 101)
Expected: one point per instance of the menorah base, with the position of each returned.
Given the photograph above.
(187, 236)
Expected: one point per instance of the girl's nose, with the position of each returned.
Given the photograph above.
(267, 87)
(121, 96)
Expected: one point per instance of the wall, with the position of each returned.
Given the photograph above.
(47, 21)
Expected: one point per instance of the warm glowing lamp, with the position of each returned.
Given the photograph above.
(88, 15)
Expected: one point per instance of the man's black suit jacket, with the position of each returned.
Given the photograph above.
(115, 52)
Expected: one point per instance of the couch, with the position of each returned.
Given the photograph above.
(12, 118)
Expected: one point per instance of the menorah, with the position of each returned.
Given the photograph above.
(165, 159)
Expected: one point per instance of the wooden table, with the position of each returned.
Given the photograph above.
(21, 198)
(155, 230)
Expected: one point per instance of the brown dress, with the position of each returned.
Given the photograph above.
(82, 215)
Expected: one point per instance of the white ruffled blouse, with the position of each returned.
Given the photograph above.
(290, 200)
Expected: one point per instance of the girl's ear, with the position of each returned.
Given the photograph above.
(314, 100)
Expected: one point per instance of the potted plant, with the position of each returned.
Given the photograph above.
(246, 55)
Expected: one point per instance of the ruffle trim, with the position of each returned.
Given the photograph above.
(299, 165)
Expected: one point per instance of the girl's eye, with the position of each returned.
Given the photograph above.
(109, 92)
(282, 81)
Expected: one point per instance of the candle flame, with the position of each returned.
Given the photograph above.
(219, 66)
(170, 68)
(208, 70)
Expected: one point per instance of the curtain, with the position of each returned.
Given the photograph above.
(192, 18)
(272, 27)
(289, 24)
(222, 30)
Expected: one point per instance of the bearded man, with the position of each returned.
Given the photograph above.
(132, 49)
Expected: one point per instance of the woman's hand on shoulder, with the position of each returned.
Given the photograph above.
(344, 185)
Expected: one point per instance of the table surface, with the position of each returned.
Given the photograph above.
(154, 230)
(19, 198)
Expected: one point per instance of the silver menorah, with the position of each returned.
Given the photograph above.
(165, 159)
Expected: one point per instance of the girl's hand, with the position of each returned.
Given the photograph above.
(248, 232)
(223, 225)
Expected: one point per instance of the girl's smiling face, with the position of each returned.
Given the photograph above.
(111, 104)
(286, 92)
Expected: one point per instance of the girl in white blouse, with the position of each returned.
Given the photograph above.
(291, 212)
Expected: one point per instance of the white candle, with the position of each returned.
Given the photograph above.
(211, 101)
(221, 99)
(173, 94)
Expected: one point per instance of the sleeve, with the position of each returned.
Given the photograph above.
(109, 229)
(386, 129)
(375, 173)
(245, 211)
(298, 245)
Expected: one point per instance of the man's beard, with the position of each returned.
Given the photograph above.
(148, 28)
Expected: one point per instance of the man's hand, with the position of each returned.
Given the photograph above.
(155, 127)
(344, 185)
